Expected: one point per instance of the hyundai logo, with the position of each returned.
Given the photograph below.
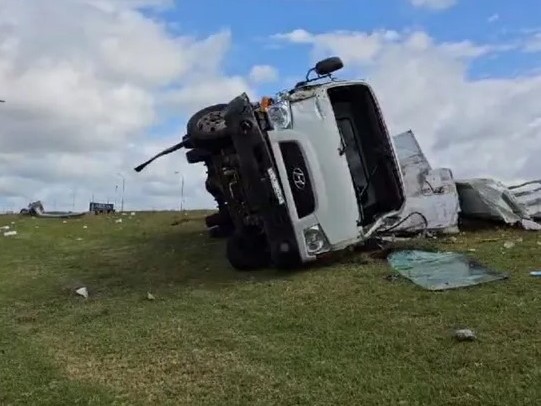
(299, 179)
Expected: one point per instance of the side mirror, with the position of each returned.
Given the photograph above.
(328, 66)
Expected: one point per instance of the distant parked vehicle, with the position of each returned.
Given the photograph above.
(101, 208)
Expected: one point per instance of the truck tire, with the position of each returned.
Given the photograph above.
(221, 218)
(219, 232)
(246, 253)
(194, 156)
(207, 128)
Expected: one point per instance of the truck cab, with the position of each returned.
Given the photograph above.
(306, 172)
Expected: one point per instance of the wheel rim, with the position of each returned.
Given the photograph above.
(212, 122)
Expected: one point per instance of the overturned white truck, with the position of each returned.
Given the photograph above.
(307, 172)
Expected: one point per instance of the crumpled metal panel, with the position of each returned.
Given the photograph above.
(491, 200)
(529, 195)
(431, 192)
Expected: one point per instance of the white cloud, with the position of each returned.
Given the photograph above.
(83, 93)
(486, 127)
(352, 46)
(533, 44)
(434, 4)
(263, 74)
(493, 18)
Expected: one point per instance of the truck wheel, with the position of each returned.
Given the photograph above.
(221, 218)
(246, 253)
(219, 232)
(194, 156)
(207, 128)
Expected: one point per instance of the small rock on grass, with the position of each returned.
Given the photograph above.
(150, 296)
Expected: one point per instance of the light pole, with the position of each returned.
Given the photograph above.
(181, 190)
(73, 199)
(123, 189)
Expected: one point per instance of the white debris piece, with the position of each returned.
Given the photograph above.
(490, 199)
(429, 191)
(508, 244)
(118, 221)
(150, 296)
(64, 222)
(530, 225)
(528, 195)
(132, 213)
(83, 292)
(79, 239)
(10, 233)
(465, 335)
(4, 228)
(85, 226)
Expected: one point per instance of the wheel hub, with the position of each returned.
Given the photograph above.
(212, 122)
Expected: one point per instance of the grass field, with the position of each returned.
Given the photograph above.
(340, 334)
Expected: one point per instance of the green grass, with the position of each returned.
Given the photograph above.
(335, 334)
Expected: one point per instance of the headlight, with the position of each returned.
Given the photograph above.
(316, 241)
(280, 115)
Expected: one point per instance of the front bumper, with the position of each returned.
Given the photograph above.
(262, 187)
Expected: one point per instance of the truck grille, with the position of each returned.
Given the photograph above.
(299, 179)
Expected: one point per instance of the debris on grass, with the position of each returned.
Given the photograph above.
(132, 213)
(489, 240)
(79, 239)
(85, 226)
(178, 222)
(508, 244)
(530, 225)
(83, 291)
(150, 296)
(535, 273)
(392, 277)
(64, 221)
(438, 271)
(10, 233)
(465, 335)
(4, 228)
(118, 221)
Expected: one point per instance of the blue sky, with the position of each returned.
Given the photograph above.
(107, 71)
(252, 21)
